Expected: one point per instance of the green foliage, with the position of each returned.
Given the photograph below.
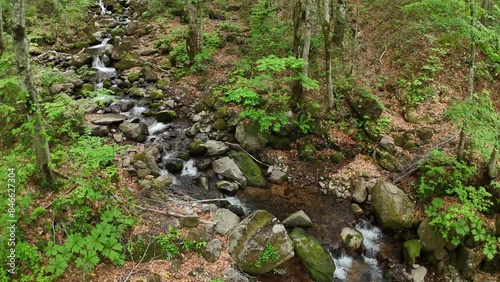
(173, 243)
(268, 32)
(87, 251)
(269, 253)
(443, 175)
(63, 117)
(101, 96)
(263, 96)
(479, 120)
(305, 123)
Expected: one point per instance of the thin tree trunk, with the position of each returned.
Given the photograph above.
(297, 89)
(193, 40)
(2, 47)
(492, 164)
(487, 7)
(326, 28)
(471, 75)
(307, 38)
(20, 44)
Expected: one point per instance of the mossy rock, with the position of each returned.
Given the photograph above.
(145, 248)
(411, 251)
(166, 116)
(310, 251)
(87, 87)
(156, 95)
(106, 84)
(220, 124)
(163, 83)
(196, 147)
(127, 62)
(389, 162)
(308, 151)
(249, 168)
(134, 75)
(336, 157)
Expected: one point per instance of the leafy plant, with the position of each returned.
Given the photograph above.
(269, 253)
(173, 243)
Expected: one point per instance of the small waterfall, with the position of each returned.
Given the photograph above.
(189, 169)
(103, 8)
(157, 127)
(368, 269)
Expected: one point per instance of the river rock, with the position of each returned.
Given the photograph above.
(234, 275)
(128, 61)
(197, 147)
(150, 75)
(392, 207)
(163, 181)
(310, 251)
(468, 260)
(174, 165)
(425, 134)
(228, 168)
(360, 191)
(250, 169)
(227, 187)
(298, 219)
(351, 237)
(418, 274)
(431, 240)
(108, 119)
(249, 239)
(212, 250)
(250, 137)
(225, 220)
(134, 131)
(190, 221)
(149, 160)
(215, 147)
(80, 60)
(278, 176)
(166, 116)
(356, 209)
(411, 251)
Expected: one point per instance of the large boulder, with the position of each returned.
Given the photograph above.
(309, 250)
(249, 168)
(430, 239)
(79, 60)
(392, 207)
(228, 168)
(258, 232)
(134, 131)
(166, 116)
(225, 221)
(250, 137)
(127, 62)
(468, 260)
(108, 119)
(365, 103)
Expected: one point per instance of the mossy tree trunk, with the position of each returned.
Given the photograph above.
(20, 44)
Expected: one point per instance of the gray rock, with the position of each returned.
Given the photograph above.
(250, 137)
(418, 274)
(250, 169)
(134, 131)
(228, 187)
(190, 221)
(249, 239)
(431, 240)
(228, 168)
(277, 176)
(233, 275)
(108, 119)
(225, 220)
(392, 207)
(298, 219)
(215, 147)
(356, 209)
(79, 60)
(351, 237)
(360, 191)
(163, 181)
(468, 260)
(166, 116)
(212, 250)
(387, 142)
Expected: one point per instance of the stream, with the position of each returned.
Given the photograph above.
(328, 213)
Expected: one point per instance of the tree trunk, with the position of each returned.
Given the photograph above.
(326, 29)
(297, 89)
(307, 38)
(193, 40)
(471, 75)
(492, 164)
(339, 29)
(20, 44)
(2, 48)
(487, 6)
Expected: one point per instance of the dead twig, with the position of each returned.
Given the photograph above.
(382, 55)
(171, 214)
(250, 155)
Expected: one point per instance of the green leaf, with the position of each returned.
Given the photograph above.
(75, 243)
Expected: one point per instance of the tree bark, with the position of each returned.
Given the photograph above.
(487, 6)
(193, 40)
(492, 164)
(297, 89)
(325, 5)
(2, 47)
(307, 37)
(20, 44)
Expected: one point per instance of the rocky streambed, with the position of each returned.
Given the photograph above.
(317, 218)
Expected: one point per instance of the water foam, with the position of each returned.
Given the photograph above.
(189, 169)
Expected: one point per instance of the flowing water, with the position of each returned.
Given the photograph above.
(103, 8)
